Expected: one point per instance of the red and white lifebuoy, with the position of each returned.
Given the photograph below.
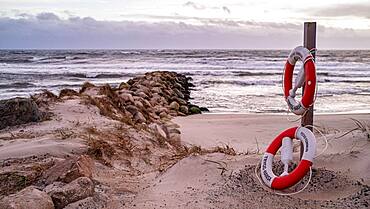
(285, 181)
(306, 76)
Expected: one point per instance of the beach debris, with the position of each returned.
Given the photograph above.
(28, 198)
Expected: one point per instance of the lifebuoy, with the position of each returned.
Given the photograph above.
(306, 76)
(309, 147)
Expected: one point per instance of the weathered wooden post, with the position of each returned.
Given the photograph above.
(309, 41)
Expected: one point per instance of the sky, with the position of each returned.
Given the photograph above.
(182, 24)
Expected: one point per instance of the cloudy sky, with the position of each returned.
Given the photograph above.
(258, 24)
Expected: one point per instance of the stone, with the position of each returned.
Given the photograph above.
(163, 115)
(179, 93)
(143, 95)
(173, 113)
(181, 101)
(204, 109)
(194, 110)
(180, 114)
(156, 90)
(184, 109)
(78, 189)
(139, 118)
(174, 130)
(146, 103)
(139, 105)
(174, 106)
(124, 85)
(69, 170)
(28, 198)
(127, 97)
(132, 109)
(154, 116)
(175, 137)
(18, 111)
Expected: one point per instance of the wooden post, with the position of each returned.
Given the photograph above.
(309, 41)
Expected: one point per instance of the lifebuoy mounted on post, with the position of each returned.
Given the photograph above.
(306, 76)
(288, 179)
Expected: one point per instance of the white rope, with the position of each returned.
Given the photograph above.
(323, 136)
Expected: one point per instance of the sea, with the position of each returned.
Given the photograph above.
(226, 81)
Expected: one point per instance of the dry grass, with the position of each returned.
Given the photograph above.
(125, 145)
(65, 133)
(111, 105)
(68, 92)
(360, 126)
(100, 150)
(85, 86)
(226, 149)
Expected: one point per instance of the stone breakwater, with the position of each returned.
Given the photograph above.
(68, 150)
(146, 99)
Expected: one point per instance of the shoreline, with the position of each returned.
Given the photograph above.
(287, 114)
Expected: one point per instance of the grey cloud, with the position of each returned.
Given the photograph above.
(194, 5)
(342, 10)
(50, 31)
(226, 9)
(203, 7)
(47, 16)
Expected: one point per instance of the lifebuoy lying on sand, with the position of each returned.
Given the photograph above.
(306, 76)
(290, 179)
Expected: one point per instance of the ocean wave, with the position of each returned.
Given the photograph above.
(238, 82)
(67, 75)
(344, 81)
(17, 85)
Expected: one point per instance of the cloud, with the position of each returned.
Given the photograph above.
(203, 7)
(47, 30)
(194, 5)
(47, 16)
(226, 9)
(342, 10)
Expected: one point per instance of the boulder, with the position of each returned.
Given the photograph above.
(181, 101)
(184, 109)
(69, 170)
(195, 110)
(123, 85)
(28, 198)
(18, 111)
(78, 189)
(142, 95)
(174, 106)
(179, 93)
(139, 118)
(163, 115)
(204, 109)
(127, 97)
(132, 109)
(158, 130)
(139, 105)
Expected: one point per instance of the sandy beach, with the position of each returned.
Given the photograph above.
(144, 145)
(224, 181)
